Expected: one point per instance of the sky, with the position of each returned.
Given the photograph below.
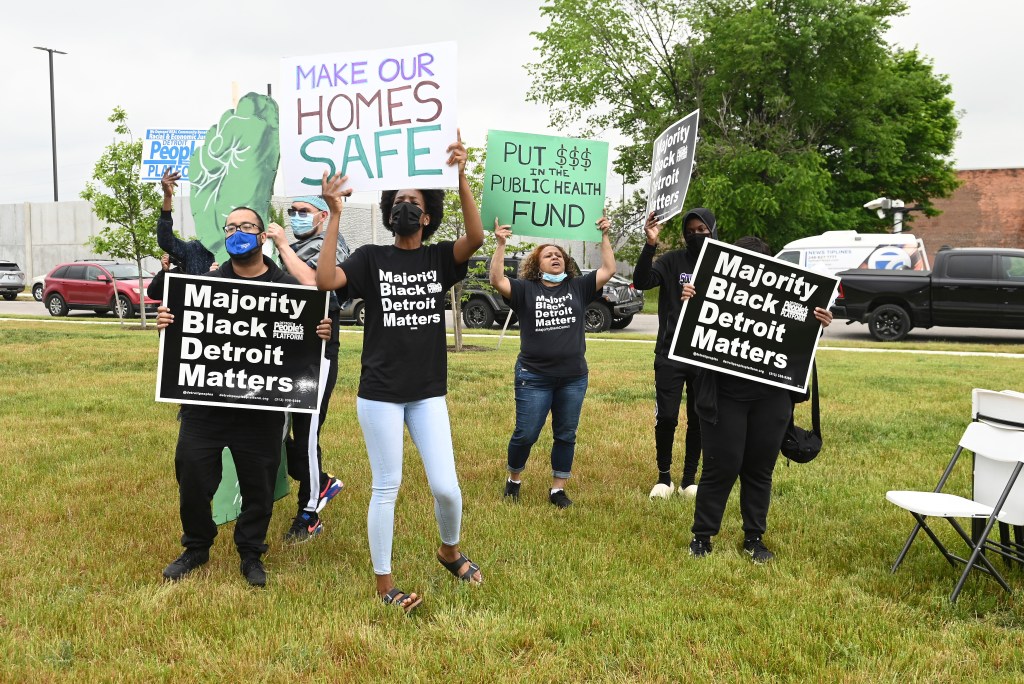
(173, 64)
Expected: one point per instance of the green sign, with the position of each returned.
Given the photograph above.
(227, 500)
(545, 186)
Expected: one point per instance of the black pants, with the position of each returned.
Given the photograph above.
(305, 457)
(744, 442)
(255, 443)
(670, 377)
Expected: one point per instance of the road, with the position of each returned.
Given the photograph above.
(647, 324)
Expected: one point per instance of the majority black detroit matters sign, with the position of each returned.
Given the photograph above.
(752, 316)
(242, 344)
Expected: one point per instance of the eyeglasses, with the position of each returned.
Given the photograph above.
(301, 213)
(246, 227)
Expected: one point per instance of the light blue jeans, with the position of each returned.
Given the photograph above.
(382, 424)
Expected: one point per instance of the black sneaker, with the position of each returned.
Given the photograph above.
(186, 563)
(700, 547)
(512, 490)
(252, 570)
(560, 499)
(304, 527)
(759, 553)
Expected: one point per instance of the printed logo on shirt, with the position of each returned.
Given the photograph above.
(410, 300)
(553, 313)
(685, 278)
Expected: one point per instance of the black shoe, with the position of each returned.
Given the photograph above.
(560, 499)
(304, 527)
(255, 575)
(186, 563)
(700, 547)
(759, 553)
(512, 490)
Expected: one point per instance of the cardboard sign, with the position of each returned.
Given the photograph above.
(173, 147)
(384, 118)
(672, 167)
(545, 186)
(752, 316)
(241, 344)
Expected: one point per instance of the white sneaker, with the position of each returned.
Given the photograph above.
(690, 492)
(662, 491)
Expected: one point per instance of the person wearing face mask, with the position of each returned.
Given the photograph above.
(403, 381)
(253, 435)
(550, 299)
(673, 270)
(308, 217)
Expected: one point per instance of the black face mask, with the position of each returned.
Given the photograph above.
(695, 241)
(405, 218)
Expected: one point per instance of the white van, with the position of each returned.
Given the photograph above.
(840, 250)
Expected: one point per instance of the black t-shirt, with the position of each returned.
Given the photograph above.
(404, 346)
(552, 324)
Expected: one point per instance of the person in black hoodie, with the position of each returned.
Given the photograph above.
(742, 424)
(673, 270)
(254, 436)
(191, 256)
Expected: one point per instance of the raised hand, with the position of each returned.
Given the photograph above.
(457, 153)
(652, 229)
(333, 192)
(501, 233)
(169, 181)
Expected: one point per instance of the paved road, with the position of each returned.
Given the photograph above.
(647, 324)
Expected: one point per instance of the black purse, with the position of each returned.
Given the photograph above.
(799, 445)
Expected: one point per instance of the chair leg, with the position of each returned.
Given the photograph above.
(976, 556)
(1018, 543)
(1004, 539)
(950, 558)
(906, 548)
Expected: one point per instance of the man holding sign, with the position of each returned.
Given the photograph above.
(207, 427)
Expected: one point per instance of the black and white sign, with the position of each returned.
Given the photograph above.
(752, 316)
(672, 167)
(242, 344)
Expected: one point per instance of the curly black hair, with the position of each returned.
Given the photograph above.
(754, 244)
(433, 201)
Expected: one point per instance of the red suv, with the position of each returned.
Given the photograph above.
(91, 284)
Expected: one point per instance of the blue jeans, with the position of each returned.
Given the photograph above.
(382, 424)
(536, 396)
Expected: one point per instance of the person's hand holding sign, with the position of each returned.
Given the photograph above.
(164, 317)
(333, 194)
(824, 316)
(652, 229)
(277, 234)
(458, 154)
(323, 330)
(688, 291)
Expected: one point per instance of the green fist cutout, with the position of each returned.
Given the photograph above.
(235, 167)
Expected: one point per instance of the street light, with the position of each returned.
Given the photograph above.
(53, 119)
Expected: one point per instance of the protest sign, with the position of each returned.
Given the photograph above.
(173, 147)
(384, 118)
(672, 167)
(545, 186)
(752, 316)
(241, 344)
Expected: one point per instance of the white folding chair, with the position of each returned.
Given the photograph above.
(998, 446)
(1002, 409)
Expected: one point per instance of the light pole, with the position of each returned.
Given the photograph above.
(53, 119)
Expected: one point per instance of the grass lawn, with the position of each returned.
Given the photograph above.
(603, 591)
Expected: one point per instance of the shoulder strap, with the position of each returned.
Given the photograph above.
(815, 414)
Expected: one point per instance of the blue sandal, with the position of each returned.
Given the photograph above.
(456, 565)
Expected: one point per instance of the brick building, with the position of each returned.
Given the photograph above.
(987, 210)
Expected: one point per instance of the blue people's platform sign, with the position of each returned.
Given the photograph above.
(242, 344)
(169, 147)
(752, 316)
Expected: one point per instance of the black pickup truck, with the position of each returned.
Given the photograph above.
(972, 287)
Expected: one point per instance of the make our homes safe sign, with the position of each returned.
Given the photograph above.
(241, 344)
(545, 186)
(752, 316)
(672, 167)
(384, 118)
(169, 147)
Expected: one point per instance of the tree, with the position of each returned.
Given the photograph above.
(129, 207)
(806, 112)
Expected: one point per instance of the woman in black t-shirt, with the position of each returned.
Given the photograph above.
(551, 371)
(404, 362)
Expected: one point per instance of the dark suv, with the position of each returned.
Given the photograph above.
(90, 285)
(481, 305)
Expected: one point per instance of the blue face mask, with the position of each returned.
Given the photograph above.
(301, 227)
(240, 244)
(552, 278)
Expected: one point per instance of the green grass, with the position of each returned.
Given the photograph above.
(603, 591)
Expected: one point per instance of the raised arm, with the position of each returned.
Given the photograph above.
(329, 275)
(498, 278)
(292, 263)
(644, 276)
(165, 224)
(466, 245)
(607, 270)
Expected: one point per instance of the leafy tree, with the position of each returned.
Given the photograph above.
(129, 207)
(806, 111)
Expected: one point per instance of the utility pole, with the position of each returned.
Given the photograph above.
(53, 119)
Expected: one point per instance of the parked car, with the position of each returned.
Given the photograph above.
(353, 311)
(90, 284)
(482, 306)
(12, 280)
(37, 287)
(972, 287)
